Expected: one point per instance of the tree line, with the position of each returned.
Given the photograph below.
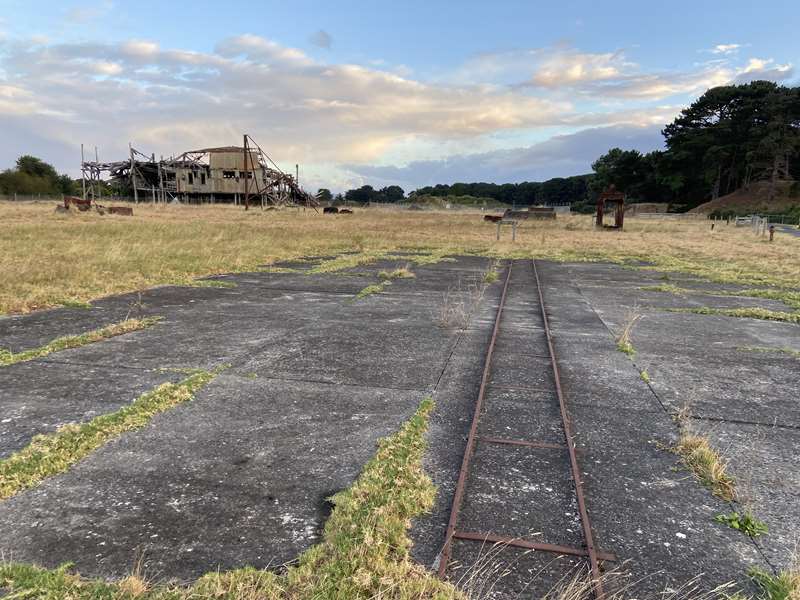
(32, 175)
(558, 190)
(728, 138)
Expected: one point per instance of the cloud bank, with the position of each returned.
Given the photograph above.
(337, 119)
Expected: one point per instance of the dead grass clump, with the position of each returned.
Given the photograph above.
(459, 304)
(400, 273)
(703, 460)
(624, 343)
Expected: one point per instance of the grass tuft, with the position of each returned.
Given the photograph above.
(645, 376)
(401, 273)
(75, 341)
(490, 276)
(706, 464)
(624, 343)
(50, 454)
(783, 586)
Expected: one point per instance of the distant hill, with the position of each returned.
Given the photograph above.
(755, 199)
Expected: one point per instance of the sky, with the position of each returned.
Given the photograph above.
(411, 93)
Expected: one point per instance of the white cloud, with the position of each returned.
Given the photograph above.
(571, 67)
(306, 110)
(725, 48)
(766, 69)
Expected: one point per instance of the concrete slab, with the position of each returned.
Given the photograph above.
(766, 463)
(521, 492)
(38, 397)
(650, 512)
(245, 481)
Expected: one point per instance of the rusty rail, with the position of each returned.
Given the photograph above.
(573, 459)
(458, 497)
(590, 551)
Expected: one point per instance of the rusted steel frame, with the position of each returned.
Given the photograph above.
(573, 459)
(521, 543)
(458, 496)
(494, 440)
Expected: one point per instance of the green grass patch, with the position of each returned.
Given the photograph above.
(788, 297)
(345, 261)
(50, 454)
(374, 288)
(364, 554)
(745, 313)
(490, 276)
(789, 351)
(744, 522)
(667, 288)
(75, 341)
(69, 303)
(280, 270)
(783, 586)
(645, 376)
(210, 283)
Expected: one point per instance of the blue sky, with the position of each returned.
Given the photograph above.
(375, 92)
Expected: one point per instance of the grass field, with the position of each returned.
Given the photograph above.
(54, 259)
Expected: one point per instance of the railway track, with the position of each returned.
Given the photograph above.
(587, 550)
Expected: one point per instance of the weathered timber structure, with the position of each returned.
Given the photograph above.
(234, 174)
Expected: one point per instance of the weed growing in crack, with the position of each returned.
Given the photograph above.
(745, 522)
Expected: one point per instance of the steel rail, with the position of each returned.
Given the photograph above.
(591, 550)
(458, 496)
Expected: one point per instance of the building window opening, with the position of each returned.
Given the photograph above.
(191, 179)
(229, 174)
(202, 178)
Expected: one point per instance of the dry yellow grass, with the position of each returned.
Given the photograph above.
(49, 258)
